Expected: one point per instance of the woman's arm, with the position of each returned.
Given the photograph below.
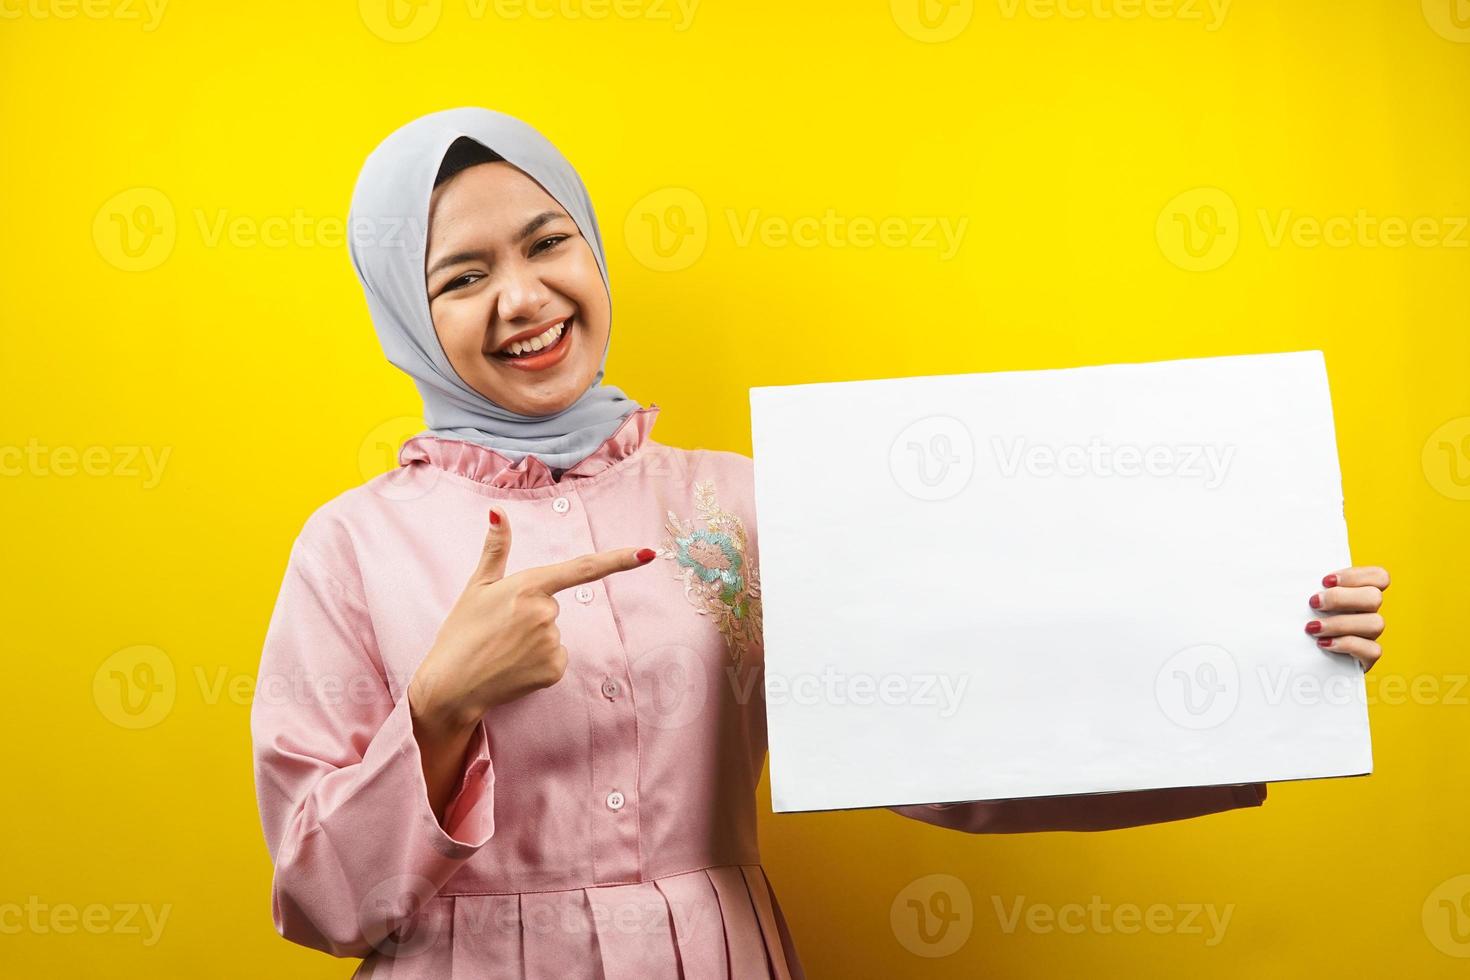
(442, 747)
(1096, 811)
(341, 780)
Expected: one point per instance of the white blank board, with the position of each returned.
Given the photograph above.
(1045, 583)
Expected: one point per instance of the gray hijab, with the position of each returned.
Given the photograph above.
(388, 229)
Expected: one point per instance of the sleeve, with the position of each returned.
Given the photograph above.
(339, 779)
(1093, 811)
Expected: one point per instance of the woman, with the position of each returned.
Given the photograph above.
(485, 770)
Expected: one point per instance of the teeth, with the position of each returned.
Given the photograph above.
(536, 343)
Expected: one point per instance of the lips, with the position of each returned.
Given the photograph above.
(547, 358)
(504, 350)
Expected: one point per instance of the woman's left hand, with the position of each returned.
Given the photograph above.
(1352, 625)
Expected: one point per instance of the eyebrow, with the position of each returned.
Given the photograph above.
(528, 229)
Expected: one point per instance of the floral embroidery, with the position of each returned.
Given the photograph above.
(720, 580)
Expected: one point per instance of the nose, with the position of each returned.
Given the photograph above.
(522, 296)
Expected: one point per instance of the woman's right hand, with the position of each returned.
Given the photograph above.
(500, 641)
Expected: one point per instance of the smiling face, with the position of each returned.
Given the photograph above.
(508, 270)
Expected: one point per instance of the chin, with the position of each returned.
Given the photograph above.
(541, 404)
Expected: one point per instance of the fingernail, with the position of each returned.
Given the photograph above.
(1316, 601)
(494, 519)
(1325, 641)
(1315, 626)
(1330, 581)
(645, 555)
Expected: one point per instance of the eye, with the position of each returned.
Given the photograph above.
(460, 282)
(554, 239)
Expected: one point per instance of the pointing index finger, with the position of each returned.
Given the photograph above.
(586, 568)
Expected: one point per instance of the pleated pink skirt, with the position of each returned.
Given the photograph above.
(721, 923)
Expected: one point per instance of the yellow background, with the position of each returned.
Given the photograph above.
(1078, 143)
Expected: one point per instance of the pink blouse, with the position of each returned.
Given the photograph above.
(602, 827)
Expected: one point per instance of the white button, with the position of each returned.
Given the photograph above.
(561, 505)
(583, 593)
(610, 689)
(615, 800)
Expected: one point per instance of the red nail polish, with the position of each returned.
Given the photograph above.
(1316, 601)
(1314, 627)
(646, 555)
(1325, 641)
(1330, 581)
(494, 519)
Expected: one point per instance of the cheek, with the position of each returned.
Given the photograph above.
(582, 281)
(460, 329)
(460, 326)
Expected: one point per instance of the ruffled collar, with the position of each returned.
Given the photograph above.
(484, 465)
